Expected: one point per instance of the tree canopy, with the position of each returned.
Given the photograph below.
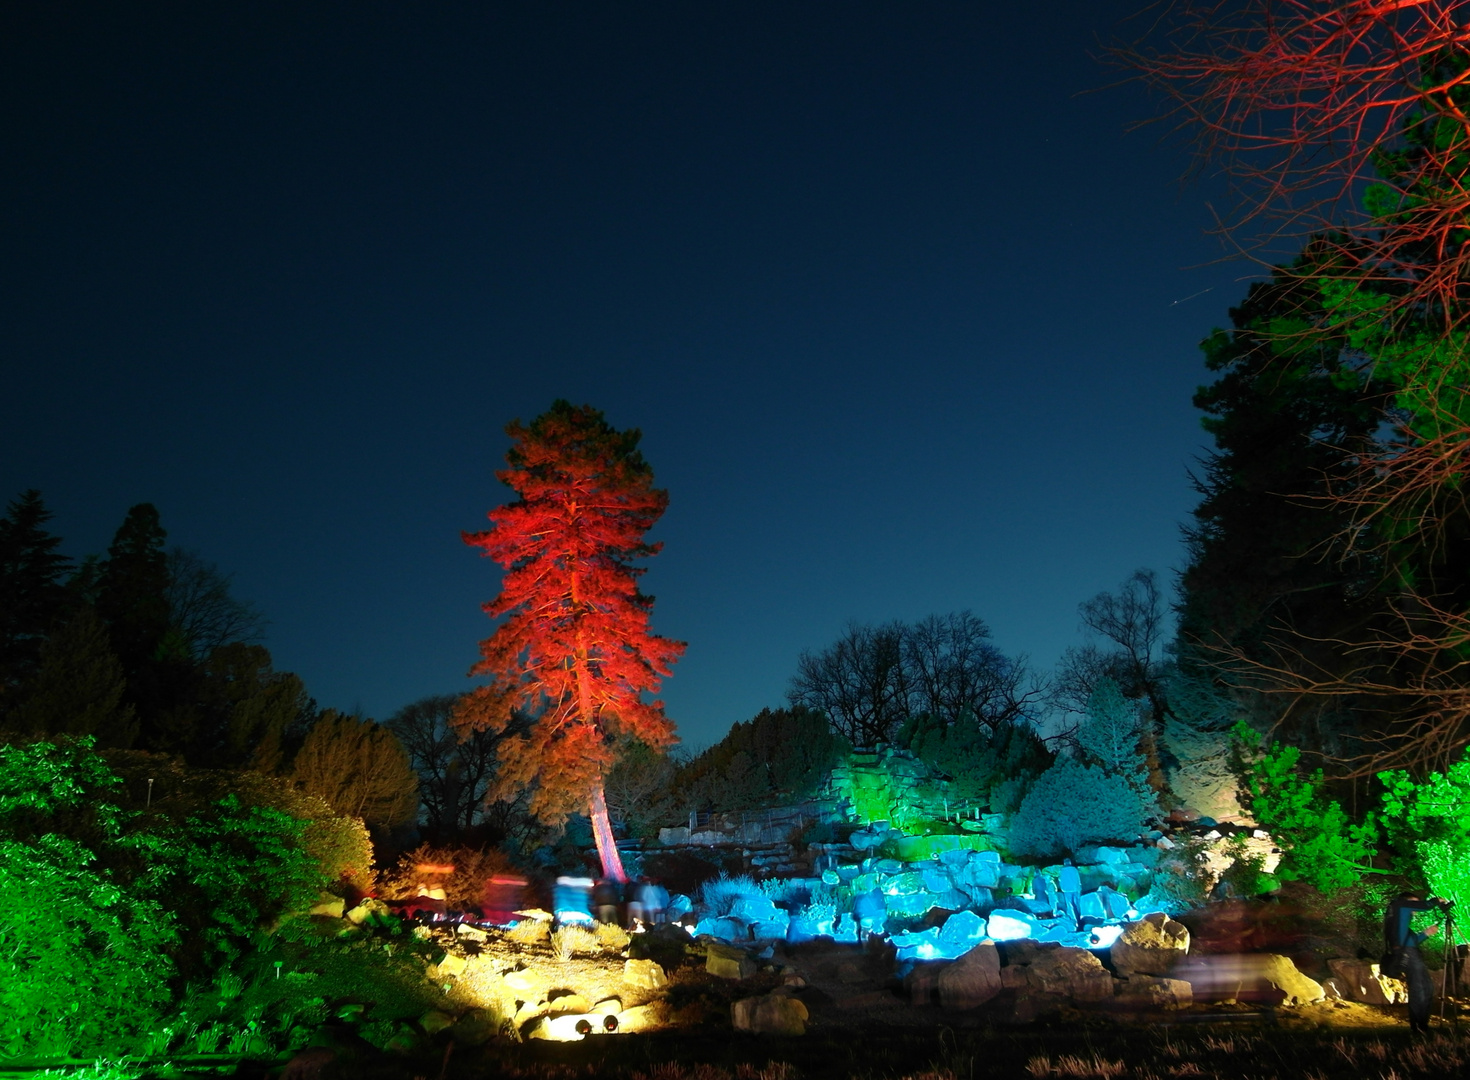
(574, 648)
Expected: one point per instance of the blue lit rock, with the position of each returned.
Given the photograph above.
(963, 927)
(845, 929)
(772, 928)
(936, 879)
(952, 900)
(981, 898)
(753, 908)
(679, 906)
(1010, 925)
(1091, 905)
(909, 905)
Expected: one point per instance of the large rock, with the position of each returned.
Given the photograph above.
(1360, 980)
(1150, 992)
(773, 1014)
(1152, 946)
(972, 980)
(1062, 971)
(725, 962)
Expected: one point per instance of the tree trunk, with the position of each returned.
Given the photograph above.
(607, 846)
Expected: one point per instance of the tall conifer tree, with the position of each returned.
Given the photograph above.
(574, 647)
(32, 593)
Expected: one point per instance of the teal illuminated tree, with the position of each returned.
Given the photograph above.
(574, 648)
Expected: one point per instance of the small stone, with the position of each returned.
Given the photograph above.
(435, 1021)
(644, 974)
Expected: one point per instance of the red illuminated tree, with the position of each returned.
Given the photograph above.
(574, 650)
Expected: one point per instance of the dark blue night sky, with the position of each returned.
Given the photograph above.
(890, 296)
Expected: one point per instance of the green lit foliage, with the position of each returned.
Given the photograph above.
(985, 763)
(83, 963)
(1072, 804)
(1428, 827)
(110, 909)
(1321, 845)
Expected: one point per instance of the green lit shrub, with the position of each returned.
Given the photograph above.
(1072, 804)
(83, 964)
(1320, 844)
(108, 910)
(1428, 828)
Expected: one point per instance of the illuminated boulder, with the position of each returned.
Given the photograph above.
(1152, 946)
(644, 974)
(936, 879)
(963, 928)
(725, 962)
(972, 980)
(753, 908)
(1361, 980)
(1011, 925)
(1055, 971)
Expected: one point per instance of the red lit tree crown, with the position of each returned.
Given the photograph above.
(575, 648)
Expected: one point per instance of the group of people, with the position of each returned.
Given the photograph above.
(632, 904)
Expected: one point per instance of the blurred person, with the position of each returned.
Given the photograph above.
(504, 896)
(1403, 943)
(569, 899)
(605, 897)
(1069, 885)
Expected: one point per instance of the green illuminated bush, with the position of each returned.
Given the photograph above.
(83, 965)
(1428, 827)
(107, 911)
(1072, 804)
(1321, 845)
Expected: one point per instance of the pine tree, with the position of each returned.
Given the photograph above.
(574, 648)
(32, 592)
(79, 687)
